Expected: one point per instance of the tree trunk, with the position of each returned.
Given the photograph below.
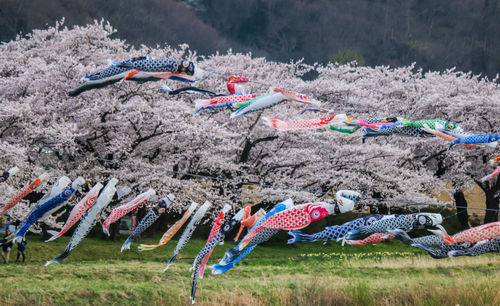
(461, 205)
(492, 206)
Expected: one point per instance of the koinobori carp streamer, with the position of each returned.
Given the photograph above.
(303, 124)
(78, 211)
(47, 208)
(24, 192)
(188, 231)
(148, 220)
(120, 211)
(88, 220)
(218, 239)
(171, 231)
(475, 234)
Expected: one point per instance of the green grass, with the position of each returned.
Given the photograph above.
(387, 274)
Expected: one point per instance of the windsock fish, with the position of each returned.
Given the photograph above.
(148, 220)
(78, 211)
(234, 84)
(295, 96)
(428, 243)
(24, 192)
(171, 231)
(120, 211)
(250, 221)
(188, 232)
(404, 222)
(88, 220)
(188, 89)
(491, 175)
(409, 131)
(232, 256)
(6, 174)
(47, 208)
(309, 124)
(259, 103)
(213, 232)
(372, 239)
(430, 123)
(301, 216)
(477, 139)
(218, 239)
(167, 68)
(377, 125)
(437, 132)
(112, 74)
(482, 247)
(221, 101)
(336, 231)
(479, 233)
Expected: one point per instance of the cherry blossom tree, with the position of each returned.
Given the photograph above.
(146, 139)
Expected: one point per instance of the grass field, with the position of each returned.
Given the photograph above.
(387, 274)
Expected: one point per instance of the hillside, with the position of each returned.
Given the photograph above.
(437, 35)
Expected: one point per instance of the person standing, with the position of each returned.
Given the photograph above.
(6, 246)
(21, 249)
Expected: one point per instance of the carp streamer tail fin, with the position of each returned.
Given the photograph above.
(126, 244)
(54, 234)
(170, 262)
(298, 236)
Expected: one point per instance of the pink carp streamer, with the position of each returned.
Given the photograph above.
(222, 101)
(214, 231)
(303, 124)
(249, 221)
(78, 211)
(491, 175)
(120, 211)
(296, 217)
(295, 96)
(372, 239)
(479, 233)
(24, 192)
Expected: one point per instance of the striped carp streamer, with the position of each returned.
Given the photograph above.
(213, 232)
(148, 220)
(404, 222)
(88, 220)
(259, 103)
(482, 247)
(479, 233)
(188, 231)
(372, 239)
(171, 231)
(78, 211)
(48, 208)
(8, 173)
(477, 139)
(24, 192)
(218, 239)
(336, 231)
(232, 256)
(222, 101)
(429, 243)
(141, 69)
(168, 68)
(309, 124)
(120, 211)
(249, 221)
(301, 216)
(111, 75)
